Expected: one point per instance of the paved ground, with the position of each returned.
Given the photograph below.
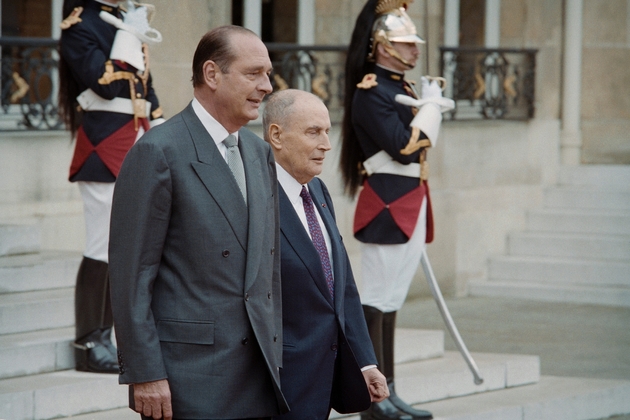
(572, 340)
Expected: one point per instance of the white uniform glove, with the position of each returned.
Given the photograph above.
(133, 30)
(430, 89)
(429, 116)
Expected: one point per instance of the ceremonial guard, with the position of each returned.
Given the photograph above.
(107, 101)
(383, 158)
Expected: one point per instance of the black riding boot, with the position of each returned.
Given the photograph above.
(389, 328)
(94, 351)
(385, 409)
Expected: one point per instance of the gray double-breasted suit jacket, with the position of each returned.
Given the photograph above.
(194, 272)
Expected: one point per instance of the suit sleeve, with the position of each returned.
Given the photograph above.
(355, 327)
(139, 224)
(277, 281)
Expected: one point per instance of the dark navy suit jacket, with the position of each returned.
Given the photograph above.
(325, 343)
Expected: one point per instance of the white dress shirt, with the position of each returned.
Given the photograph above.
(212, 126)
(293, 189)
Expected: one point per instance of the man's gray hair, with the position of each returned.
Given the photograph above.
(277, 109)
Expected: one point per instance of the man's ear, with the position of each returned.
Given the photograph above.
(382, 50)
(211, 74)
(274, 134)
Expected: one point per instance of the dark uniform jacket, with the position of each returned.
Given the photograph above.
(383, 124)
(102, 145)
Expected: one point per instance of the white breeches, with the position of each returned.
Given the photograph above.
(387, 270)
(97, 208)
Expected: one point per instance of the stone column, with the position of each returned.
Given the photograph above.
(451, 23)
(451, 39)
(252, 15)
(571, 135)
(306, 22)
(493, 23)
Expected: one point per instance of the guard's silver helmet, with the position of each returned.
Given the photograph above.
(392, 25)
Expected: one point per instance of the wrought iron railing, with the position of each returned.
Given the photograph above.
(29, 84)
(490, 83)
(485, 83)
(314, 68)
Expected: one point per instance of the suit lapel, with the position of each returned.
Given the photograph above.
(337, 251)
(216, 176)
(257, 200)
(294, 232)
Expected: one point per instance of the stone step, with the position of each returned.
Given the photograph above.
(579, 221)
(19, 239)
(552, 398)
(36, 352)
(568, 245)
(606, 176)
(608, 296)
(70, 393)
(39, 310)
(449, 376)
(412, 345)
(60, 221)
(60, 394)
(41, 271)
(549, 270)
(587, 198)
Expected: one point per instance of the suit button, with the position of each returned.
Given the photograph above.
(226, 253)
(273, 250)
(268, 295)
(333, 347)
(244, 341)
(246, 297)
(275, 338)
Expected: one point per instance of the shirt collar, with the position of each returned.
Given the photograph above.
(212, 126)
(390, 70)
(289, 184)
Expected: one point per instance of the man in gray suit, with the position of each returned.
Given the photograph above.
(194, 243)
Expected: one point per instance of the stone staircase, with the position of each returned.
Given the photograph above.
(574, 249)
(37, 379)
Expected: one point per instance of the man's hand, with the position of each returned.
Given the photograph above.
(377, 384)
(153, 399)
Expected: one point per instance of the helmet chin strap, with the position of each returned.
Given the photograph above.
(392, 51)
(381, 38)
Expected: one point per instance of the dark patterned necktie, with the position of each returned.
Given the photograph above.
(318, 239)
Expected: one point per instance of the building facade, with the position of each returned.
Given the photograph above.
(485, 172)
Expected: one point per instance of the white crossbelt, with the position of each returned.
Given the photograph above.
(90, 101)
(383, 163)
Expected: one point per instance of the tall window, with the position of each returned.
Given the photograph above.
(472, 23)
(26, 18)
(278, 19)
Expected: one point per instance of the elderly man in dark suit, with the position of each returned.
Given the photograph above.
(328, 358)
(194, 249)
